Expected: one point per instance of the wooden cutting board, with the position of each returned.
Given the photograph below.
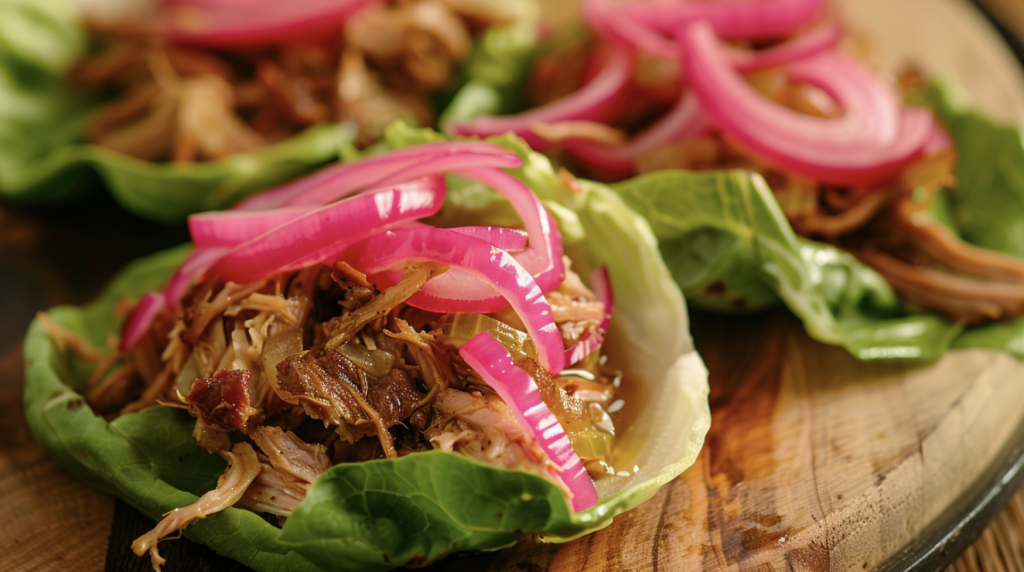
(815, 461)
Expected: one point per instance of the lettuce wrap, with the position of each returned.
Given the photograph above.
(731, 249)
(415, 509)
(42, 118)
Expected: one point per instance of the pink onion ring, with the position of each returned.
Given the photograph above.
(508, 239)
(684, 121)
(815, 41)
(589, 342)
(457, 292)
(191, 269)
(255, 22)
(866, 146)
(394, 249)
(617, 26)
(229, 228)
(543, 257)
(322, 234)
(731, 19)
(137, 323)
(517, 389)
(337, 181)
(601, 100)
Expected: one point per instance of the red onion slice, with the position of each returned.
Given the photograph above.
(731, 19)
(508, 239)
(492, 361)
(543, 257)
(809, 43)
(137, 323)
(342, 179)
(192, 268)
(229, 228)
(255, 22)
(601, 100)
(396, 249)
(609, 23)
(460, 292)
(613, 24)
(321, 235)
(685, 120)
(864, 147)
(601, 283)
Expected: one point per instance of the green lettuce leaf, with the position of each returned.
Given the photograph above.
(149, 458)
(42, 118)
(494, 76)
(730, 248)
(381, 514)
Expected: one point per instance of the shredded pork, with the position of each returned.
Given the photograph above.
(243, 466)
(292, 374)
(171, 103)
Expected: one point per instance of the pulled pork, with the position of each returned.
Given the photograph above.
(172, 103)
(243, 466)
(292, 374)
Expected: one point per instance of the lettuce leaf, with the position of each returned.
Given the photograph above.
(381, 514)
(42, 118)
(730, 248)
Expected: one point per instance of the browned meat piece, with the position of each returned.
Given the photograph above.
(395, 398)
(326, 388)
(223, 401)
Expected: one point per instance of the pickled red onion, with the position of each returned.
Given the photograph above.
(255, 22)
(683, 121)
(138, 321)
(517, 389)
(601, 283)
(230, 228)
(601, 100)
(322, 234)
(488, 264)
(731, 19)
(805, 45)
(543, 257)
(192, 268)
(866, 146)
(508, 239)
(337, 181)
(456, 291)
(618, 26)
